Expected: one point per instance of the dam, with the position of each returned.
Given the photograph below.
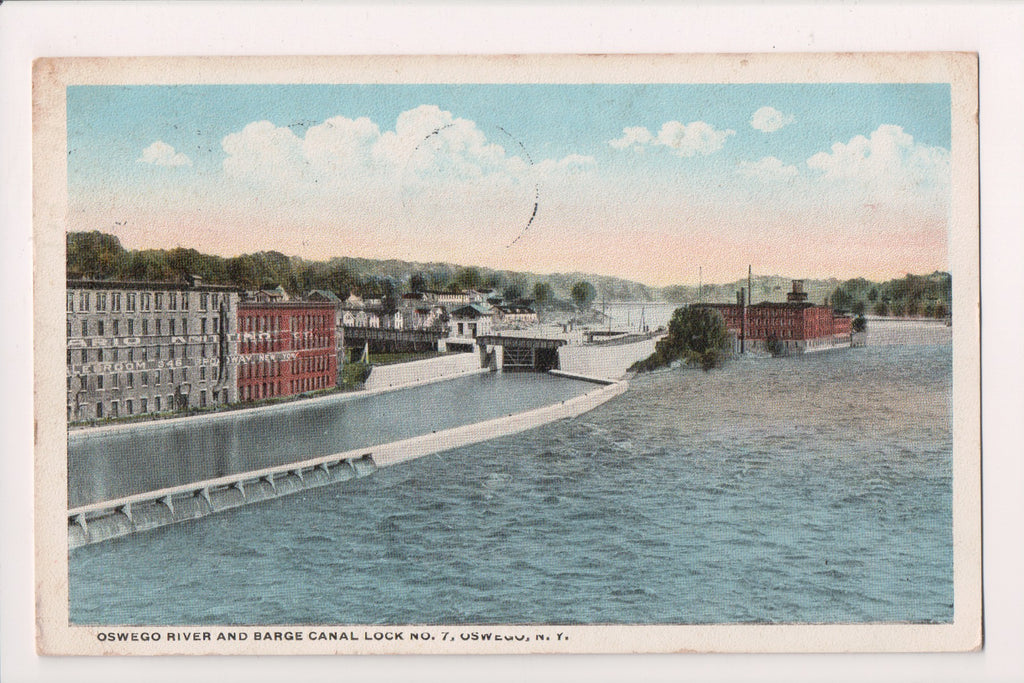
(130, 478)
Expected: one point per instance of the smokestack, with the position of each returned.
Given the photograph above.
(750, 285)
(741, 300)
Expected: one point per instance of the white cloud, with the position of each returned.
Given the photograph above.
(887, 163)
(693, 139)
(767, 169)
(636, 136)
(686, 139)
(428, 146)
(162, 154)
(572, 162)
(770, 119)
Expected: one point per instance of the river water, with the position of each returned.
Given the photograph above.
(814, 489)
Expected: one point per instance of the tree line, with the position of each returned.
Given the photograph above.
(912, 295)
(100, 256)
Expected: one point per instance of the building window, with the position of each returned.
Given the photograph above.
(113, 409)
(128, 407)
(202, 326)
(99, 327)
(117, 327)
(172, 301)
(99, 381)
(131, 302)
(184, 301)
(156, 378)
(99, 410)
(69, 329)
(145, 303)
(158, 322)
(131, 326)
(99, 355)
(145, 326)
(113, 381)
(170, 326)
(202, 372)
(203, 301)
(101, 301)
(216, 325)
(83, 301)
(131, 381)
(157, 403)
(116, 303)
(71, 301)
(144, 404)
(85, 328)
(184, 325)
(158, 301)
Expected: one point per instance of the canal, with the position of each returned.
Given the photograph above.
(106, 464)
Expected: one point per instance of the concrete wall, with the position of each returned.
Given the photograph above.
(603, 361)
(421, 371)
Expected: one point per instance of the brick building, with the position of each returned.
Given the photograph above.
(796, 323)
(285, 347)
(148, 347)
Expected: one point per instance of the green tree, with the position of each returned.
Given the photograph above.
(542, 293)
(881, 308)
(858, 308)
(873, 295)
(859, 323)
(696, 335)
(417, 283)
(94, 255)
(469, 278)
(841, 299)
(583, 294)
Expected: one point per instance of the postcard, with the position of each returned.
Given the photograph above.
(507, 354)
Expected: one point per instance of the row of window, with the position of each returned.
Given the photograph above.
(272, 323)
(143, 405)
(115, 381)
(139, 353)
(144, 301)
(273, 368)
(254, 392)
(160, 326)
(298, 343)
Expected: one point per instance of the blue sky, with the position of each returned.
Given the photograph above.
(168, 165)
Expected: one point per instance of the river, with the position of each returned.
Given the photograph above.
(813, 489)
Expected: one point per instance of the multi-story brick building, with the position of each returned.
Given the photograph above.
(796, 324)
(148, 347)
(285, 347)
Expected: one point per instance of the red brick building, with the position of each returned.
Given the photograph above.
(285, 347)
(796, 323)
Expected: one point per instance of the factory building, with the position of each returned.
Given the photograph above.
(137, 348)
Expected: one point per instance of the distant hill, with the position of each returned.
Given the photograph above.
(101, 256)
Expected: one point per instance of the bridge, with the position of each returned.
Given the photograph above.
(390, 339)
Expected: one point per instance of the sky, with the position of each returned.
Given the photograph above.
(649, 182)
